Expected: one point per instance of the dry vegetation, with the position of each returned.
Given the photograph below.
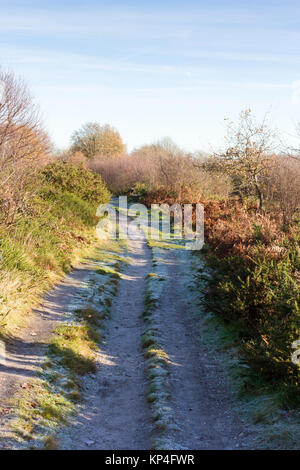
(161, 167)
(24, 145)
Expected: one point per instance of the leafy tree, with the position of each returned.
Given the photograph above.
(93, 139)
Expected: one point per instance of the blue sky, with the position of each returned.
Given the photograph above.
(156, 68)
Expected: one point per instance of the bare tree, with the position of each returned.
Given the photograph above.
(23, 143)
(246, 158)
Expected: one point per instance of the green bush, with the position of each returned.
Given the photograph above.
(262, 298)
(85, 184)
(45, 238)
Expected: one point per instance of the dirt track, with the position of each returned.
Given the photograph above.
(115, 414)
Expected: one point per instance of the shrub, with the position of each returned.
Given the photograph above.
(65, 177)
(260, 295)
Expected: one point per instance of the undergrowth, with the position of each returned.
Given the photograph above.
(261, 298)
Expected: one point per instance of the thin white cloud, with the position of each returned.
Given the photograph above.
(143, 21)
(55, 59)
(94, 24)
(237, 56)
(202, 86)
